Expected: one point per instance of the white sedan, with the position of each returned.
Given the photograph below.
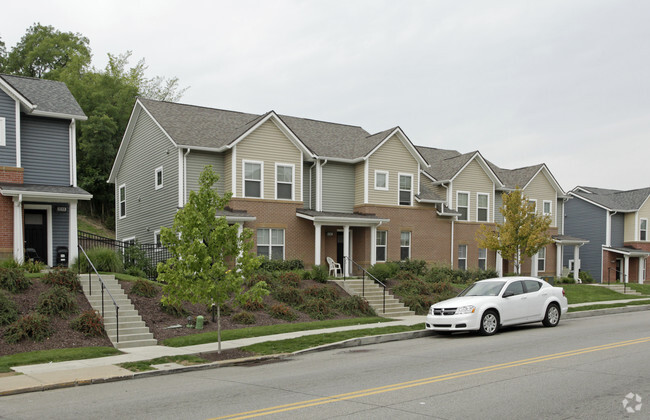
(487, 305)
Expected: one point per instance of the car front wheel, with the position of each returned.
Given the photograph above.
(489, 323)
(552, 317)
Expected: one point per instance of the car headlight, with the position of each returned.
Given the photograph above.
(431, 310)
(469, 309)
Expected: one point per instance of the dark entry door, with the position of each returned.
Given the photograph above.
(339, 248)
(619, 269)
(36, 234)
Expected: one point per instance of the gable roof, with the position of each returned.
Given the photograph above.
(42, 97)
(447, 164)
(613, 200)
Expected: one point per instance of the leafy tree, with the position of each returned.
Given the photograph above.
(521, 235)
(3, 56)
(210, 258)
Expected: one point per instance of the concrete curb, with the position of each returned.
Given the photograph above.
(606, 311)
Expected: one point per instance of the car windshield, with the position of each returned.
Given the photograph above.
(489, 288)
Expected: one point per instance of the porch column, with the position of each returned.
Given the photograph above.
(559, 256)
(641, 264)
(533, 265)
(346, 250)
(73, 252)
(373, 245)
(19, 242)
(499, 264)
(317, 242)
(576, 263)
(240, 231)
(626, 271)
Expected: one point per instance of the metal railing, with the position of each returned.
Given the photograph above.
(363, 282)
(90, 292)
(620, 274)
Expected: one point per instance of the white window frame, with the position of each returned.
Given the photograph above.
(293, 179)
(533, 200)
(131, 240)
(3, 131)
(458, 193)
(407, 246)
(464, 259)
(156, 240)
(487, 207)
(644, 231)
(550, 207)
(541, 260)
(270, 245)
(159, 170)
(386, 177)
(399, 189)
(243, 177)
(482, 258)
(383, 233)
(120, 201)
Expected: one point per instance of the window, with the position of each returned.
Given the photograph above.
(270, 243)
(547, 207)
(156, 239)
(462, 205)
(159, 178)
(532, 285)
(253, 179)
(533, 204)
(405, 246)
(405, 189)
(380, 245)
(643, 231)
(541, 260)
(284, 182)
(462, 257)
(482, 258)
(517, 288)
(482, 203)
(129, 241)
(381, 180)
(122, 200)
(3, 132)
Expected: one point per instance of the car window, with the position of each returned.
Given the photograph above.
(532, 285)
(516, 287)
(490, 288)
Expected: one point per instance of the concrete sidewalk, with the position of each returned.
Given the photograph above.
(104, 369)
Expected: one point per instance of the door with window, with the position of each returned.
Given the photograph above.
(36, 234)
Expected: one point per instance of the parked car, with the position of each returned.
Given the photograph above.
(487, 305)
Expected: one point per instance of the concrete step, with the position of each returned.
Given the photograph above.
(131, 336)
(123, 344)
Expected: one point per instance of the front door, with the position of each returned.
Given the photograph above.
(339, 248)
(619, 269)
(36, 234)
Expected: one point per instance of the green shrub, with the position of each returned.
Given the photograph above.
(328, 293)
(443, 288)
(173, 309)
(56, 301)
(405, 275)
(320, 273)
(14, 280)
(253, 305)
(135, 272)
(33, 266)
(414, 287)
(318, 308)
(567, 280)
(289, 278)
(63, 278)
(33, 325)
(104, 259)
(289, 295)
(384, 271)
(136, 261)
(244, 317)
(90, 323)
(258, 277)
(144, 288)
(11, 263)
(355, 305)
(419, 303)
(585, 277)
(282, 311)
(437, 274)
(8, 309)
(281, 265)
(416, 267)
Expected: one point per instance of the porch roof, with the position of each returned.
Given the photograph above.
(569, 240)
(44, 192)
(236, 216)
(340, 218)
(627, 250)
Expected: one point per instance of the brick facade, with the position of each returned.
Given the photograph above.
(609, 264)
(15, 176)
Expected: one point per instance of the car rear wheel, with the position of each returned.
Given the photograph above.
(552, 317)
(489, 323)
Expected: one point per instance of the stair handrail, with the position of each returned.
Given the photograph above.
(363, 281)
(90, 292)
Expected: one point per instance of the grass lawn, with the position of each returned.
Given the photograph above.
(580, 293)
(57, 355)
(611, 305)
(641, 288)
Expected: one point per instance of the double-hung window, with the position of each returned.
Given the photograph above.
(405, 246)
(159, 177)
(482, 258)
(381, 180)
(462, 257)
(122, 200)
(156, 240)
(284, 181)
(643, 230)
(253, 179)
(541, 260)
(270, 243)
(533, 206)
(482, 204)
(405, 189)
(380, 245)
(462, 205)
(548, 207)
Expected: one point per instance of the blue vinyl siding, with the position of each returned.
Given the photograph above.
(8, 112)
(586, 221)
(618, 227)
(60, 223)
(45, 150)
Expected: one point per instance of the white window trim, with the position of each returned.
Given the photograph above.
(484, 259)
(459, 257)
(128, 239)
(155, 178)
(403, 246)
(399, 188)
(387, 174)
(119, 201)
(550, 203)
(487, 207)
(271, 244)
(541, 259)
(243, 177)
(155, 242)
(293, 180)
(469, 204)
(3, 131)
(385, 246)
(534, 200)
(646, 229)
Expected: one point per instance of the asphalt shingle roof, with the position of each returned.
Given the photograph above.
(625, 201)
(47, 95)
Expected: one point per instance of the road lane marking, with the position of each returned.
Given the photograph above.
(427, 381)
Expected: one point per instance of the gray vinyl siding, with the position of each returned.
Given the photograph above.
(60, 223)
(306, 191)
(560, 216)
(196, 162)
(8, 112)
(147, 209)
(618, 229)
(45, 150)
(338, 187)
(312, 176)
(586, 221)
(498, 203)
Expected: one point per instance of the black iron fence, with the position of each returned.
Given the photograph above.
(144, 257)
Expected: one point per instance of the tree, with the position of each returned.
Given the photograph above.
(3, 56)
(210, 258)
(523, 232)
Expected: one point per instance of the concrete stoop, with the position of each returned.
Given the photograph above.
(619, 288)
(133, 332)
(374, 295)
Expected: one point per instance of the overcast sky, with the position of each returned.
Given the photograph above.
(564, 83)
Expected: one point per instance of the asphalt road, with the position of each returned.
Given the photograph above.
(584, 368)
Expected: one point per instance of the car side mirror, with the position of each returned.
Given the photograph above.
(508, 294)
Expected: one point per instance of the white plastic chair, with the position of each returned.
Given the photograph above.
(334, 267)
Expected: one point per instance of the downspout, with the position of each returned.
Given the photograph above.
(319, 186)
(185, 176)
(310, 183)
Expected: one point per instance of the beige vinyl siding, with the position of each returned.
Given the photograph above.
(269, 145)
(559, 217)
(227, 170)
(394, 158)
(644, 213)
(306, 187)
(473, 179)
(629, 232)
(540, 189)
(196, 161)
(359, 177)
